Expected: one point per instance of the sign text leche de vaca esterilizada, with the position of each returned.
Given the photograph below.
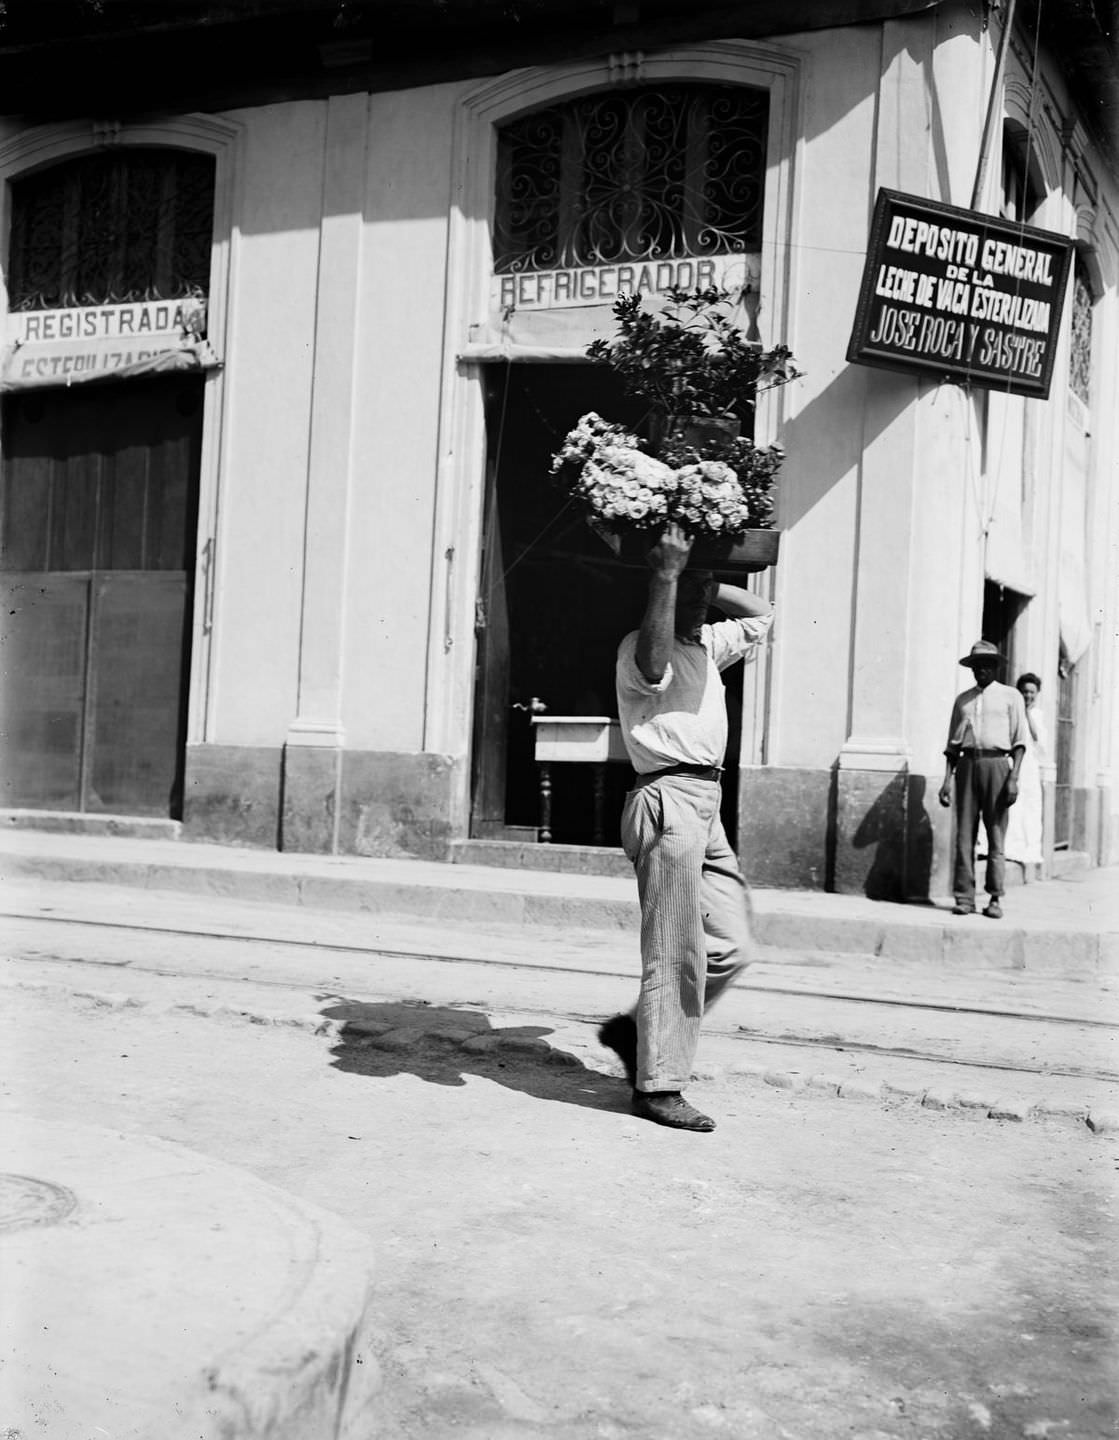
(954, 293)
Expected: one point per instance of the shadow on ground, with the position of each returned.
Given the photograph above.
(443, 1045)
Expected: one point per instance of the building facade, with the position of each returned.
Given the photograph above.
(285, 364)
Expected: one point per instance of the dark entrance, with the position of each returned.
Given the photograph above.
(99, 513)
(1002, 609)
(553, 605)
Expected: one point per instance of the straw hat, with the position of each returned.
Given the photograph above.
(983, 653)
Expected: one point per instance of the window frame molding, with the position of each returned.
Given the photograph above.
(38, 148)
(460, 477)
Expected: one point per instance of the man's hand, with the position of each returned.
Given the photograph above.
(1010, 790)
(669, 556)
(944, 795)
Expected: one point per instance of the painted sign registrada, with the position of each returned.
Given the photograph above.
(954, 293)
(602, 284)
(64, 347)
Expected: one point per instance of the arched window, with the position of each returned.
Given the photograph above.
(633, 175)
(1021, 193)
(112, 227)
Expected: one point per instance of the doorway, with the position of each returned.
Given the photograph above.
(553, 604)
(1002, 609)
(98, 512)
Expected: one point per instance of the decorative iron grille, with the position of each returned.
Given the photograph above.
(646, 174)
(111, 228)
(1080, 341)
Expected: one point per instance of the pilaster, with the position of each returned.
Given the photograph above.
(315, 738)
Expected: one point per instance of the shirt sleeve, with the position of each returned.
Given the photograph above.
(628, 672)
(730, 640)
(1019, 730)
(955, 724)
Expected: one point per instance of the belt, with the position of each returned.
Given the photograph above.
(986, 754)
(700, 772)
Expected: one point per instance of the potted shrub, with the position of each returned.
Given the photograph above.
(700, 374)
(693, 362)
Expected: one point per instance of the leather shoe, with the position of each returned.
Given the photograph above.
(994, 909)
(958, 909)
(668, 1107)
(620, 1035)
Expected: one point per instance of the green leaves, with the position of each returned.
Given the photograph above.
(693, 358)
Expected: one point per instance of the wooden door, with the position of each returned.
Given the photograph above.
(98, 515)
(491, 680)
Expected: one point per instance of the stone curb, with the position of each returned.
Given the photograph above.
(384, 1035)
(889, 936)
(273, 1332)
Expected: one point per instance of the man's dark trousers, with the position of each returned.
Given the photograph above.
(980, 792)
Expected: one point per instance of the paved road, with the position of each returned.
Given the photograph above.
(819, 1267)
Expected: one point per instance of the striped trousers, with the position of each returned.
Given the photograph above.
(980, 791)
(695, 919)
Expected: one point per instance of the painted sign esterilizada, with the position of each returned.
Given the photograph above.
(961, 295)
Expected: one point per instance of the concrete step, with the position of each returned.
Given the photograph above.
(1072, 928)
(526, 855)
(67, 822)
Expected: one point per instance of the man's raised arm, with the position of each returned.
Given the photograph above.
(740, 604)
(667, 559)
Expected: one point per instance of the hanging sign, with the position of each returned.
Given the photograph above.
(957, 294)
(91, 342)
(602, 284)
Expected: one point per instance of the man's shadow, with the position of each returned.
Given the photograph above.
(898, 825)
(444, 1045)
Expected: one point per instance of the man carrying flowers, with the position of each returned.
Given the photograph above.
(695, 931)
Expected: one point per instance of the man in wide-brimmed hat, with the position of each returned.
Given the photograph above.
(986, 742)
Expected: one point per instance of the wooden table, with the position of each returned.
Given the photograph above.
(576, 740)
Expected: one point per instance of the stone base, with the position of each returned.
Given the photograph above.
(232, 795)
(890, 844)
(784, 822)
(858, 832)
(397, 804)
(317, 800)
(311, 778)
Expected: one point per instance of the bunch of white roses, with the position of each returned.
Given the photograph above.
(710, 499)
(603, 467)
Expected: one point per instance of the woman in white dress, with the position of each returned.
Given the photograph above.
(1023, 831)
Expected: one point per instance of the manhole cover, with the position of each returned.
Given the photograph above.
(25, 1202)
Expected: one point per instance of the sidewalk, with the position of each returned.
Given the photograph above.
(1066, 927)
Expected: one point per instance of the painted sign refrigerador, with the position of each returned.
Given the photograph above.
(602, 284)
(957, 294)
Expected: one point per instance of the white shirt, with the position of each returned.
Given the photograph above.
(682, 720)
(990, 719)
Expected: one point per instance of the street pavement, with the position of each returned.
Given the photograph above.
(903, 1226)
